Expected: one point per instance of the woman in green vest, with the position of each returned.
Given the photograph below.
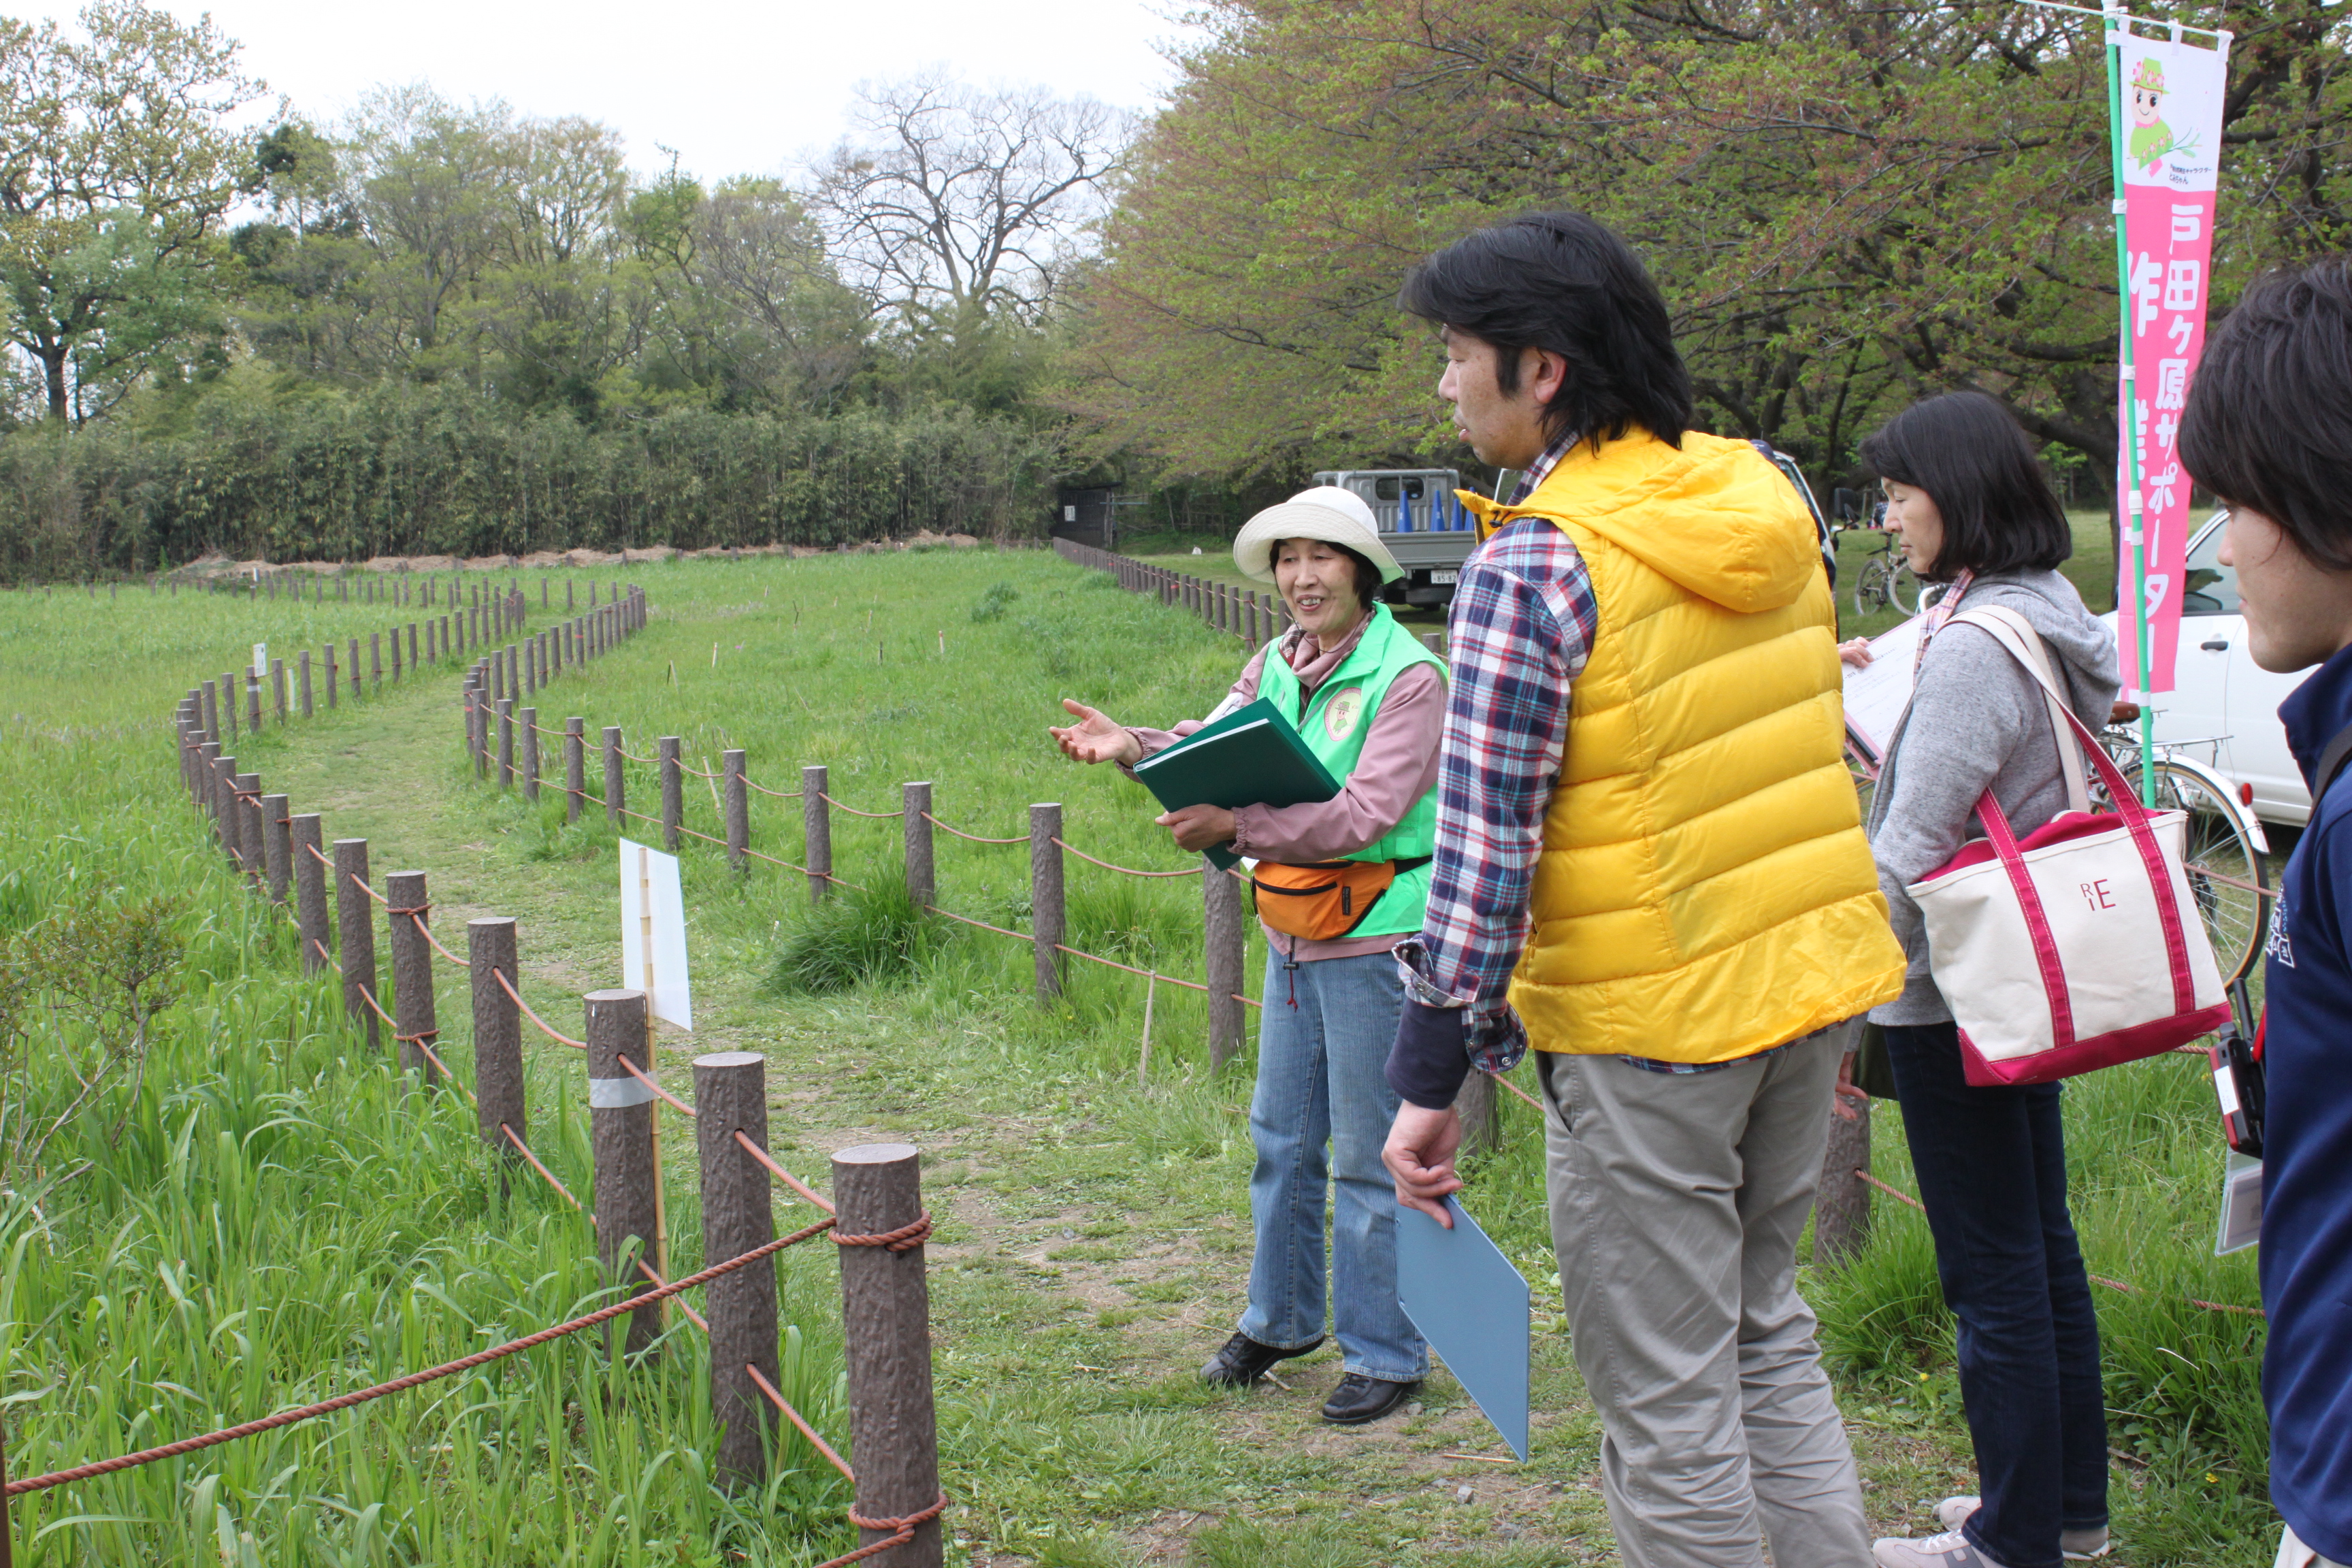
(1339, 884)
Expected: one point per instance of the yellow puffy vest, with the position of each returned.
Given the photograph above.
(1704, 890)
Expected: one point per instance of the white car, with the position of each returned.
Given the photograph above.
(2224, 707)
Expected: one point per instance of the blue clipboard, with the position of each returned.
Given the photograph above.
(1472, 1308)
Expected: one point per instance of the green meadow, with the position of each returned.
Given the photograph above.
(270, 1213)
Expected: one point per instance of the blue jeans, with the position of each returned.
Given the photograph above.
(1319, 1082)
(1991, 1168)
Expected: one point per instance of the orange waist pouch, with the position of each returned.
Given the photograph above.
(1323, 900)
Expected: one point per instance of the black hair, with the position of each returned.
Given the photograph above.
(1974, 461)
(1367, 576)
(2269, 421)
(1562, 281)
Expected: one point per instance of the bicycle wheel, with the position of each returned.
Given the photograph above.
(1870, 586)
(1903, 588)
(2224, 873)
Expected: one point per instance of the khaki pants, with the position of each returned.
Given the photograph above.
(1677, 1201)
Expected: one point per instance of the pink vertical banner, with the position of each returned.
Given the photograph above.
(2173, 145)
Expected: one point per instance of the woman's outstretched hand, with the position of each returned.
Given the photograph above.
(1855, 651)
(1094, 738)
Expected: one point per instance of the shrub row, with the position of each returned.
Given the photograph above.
(428, 471)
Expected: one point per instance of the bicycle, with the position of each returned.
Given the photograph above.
(1885, 578)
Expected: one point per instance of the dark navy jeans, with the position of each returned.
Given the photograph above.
(1991, 1168)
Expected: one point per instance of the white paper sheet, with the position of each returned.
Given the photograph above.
(653, 905)
(1876, 693)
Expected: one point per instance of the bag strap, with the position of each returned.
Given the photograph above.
(2012, 630)
(2331, 762)
(2016, 634)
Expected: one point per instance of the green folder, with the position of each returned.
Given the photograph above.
(1251, 756)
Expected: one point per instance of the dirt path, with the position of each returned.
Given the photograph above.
(1093, 1238)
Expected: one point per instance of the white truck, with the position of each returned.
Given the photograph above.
(1420, 523)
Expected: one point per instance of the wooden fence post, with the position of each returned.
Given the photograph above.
(1435, 642)
(355, 934)
(333, 686)
(730, 1096)
(247, 804)
(738, 805)
(478, 724)
(229, 703)
(406, 909)
(816, 831)
(1473, 1102)
(576, 766)
(923, 881)
(506, 742)
(527, 721)
(275, 844)
(1221, 943)
(252, 702)
(212, 712)
(303, 841)
(616, 784)
(1046, 906)
(376, 662)
(497, 1039)
(621, 1128)
(1842, 1206)
(207, 782)
(356, 689)
(277, 688)
(673, 794)
(886, 1314)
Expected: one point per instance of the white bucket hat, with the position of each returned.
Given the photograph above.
(1325, 512)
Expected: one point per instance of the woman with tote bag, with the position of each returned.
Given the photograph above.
(1976, 516)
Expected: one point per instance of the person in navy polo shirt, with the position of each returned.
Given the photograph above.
(2268, 430)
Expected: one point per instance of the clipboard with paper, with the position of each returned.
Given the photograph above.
(1878, 693)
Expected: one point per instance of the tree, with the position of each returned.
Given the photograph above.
(954, 205)
(1847, 205)
(116, 163)
(759, 251)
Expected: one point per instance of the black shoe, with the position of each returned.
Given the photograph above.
(1244, 1361)
(1359, 1399)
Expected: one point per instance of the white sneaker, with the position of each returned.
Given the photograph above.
(2076, 1545)
(1949, 1550)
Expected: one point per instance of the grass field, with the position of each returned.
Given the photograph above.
(1093, 1231)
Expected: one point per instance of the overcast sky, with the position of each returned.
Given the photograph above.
(735, 87)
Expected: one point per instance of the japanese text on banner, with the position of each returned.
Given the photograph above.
(2172, 143)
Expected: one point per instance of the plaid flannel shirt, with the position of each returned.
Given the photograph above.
(1518, 638)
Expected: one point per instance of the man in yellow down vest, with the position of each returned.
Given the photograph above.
(1649, 867)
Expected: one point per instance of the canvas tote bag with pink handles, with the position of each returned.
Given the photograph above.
(2079, 946)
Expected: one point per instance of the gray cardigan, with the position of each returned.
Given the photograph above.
(1976, 719)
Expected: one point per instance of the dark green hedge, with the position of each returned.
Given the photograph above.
(407, 471)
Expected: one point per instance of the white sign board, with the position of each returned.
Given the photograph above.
(260, 661)
(653, 933)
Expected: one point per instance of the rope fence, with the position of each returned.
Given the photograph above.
(1224, 930)
(340, 919)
